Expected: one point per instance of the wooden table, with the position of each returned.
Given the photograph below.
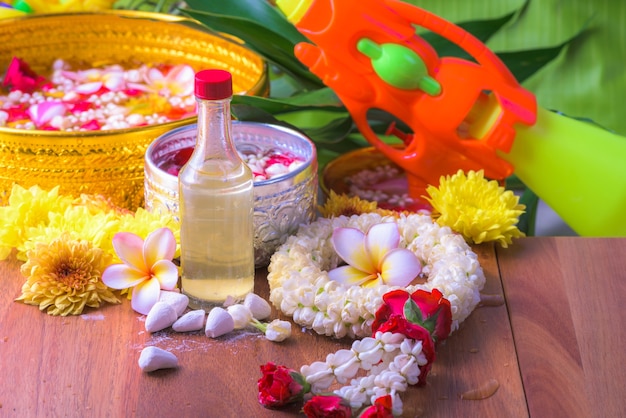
(556, 348)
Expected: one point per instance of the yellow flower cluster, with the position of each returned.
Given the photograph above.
(343, 205)
(79, 231)
(479, 209)
(65, 276)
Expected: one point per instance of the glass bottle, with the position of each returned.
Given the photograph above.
(216, 203)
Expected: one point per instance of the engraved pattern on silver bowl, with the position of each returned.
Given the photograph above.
(281, 204)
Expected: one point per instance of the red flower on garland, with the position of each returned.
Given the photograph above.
(327, 406)
(423, 316)
(280, 386)
(382, 408)
(19, 76)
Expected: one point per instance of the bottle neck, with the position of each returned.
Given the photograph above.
(214, 139)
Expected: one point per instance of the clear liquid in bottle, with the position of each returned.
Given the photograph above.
(216, 206)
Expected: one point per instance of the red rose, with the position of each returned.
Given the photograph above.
(421, 316)
(20, 77)
(382, 408)
(330, 406)
(429, 310)
(279, 386)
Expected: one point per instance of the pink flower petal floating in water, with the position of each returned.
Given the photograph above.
(42, 113)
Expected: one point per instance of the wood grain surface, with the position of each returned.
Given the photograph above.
(564, 335)
(566, 299)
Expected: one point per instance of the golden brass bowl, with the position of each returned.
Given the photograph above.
(336, 171)
(110, 163)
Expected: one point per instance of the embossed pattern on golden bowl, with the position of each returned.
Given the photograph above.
(110, 163)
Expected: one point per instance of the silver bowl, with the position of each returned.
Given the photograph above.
(281, 204)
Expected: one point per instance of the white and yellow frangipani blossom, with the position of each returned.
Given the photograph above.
(374, 257)
(147, 267)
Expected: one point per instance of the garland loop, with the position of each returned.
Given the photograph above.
(300, 287)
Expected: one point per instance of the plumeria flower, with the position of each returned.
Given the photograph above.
(147, 267)
(178, 81)
(373, 258)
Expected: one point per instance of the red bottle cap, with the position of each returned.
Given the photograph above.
(213, 84)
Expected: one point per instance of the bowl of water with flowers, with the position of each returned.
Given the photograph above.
(83, 95)
(284, 165)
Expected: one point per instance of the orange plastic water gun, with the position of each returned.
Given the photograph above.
(462, 114)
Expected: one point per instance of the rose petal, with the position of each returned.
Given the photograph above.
(380, 239)
(129, 248)
(145, 295)
(399, 267)
(159, 245)
(166, 272)
(349, 244)
(121, 276)
(349, 275)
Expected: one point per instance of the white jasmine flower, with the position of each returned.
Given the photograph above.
(241, 315)
(278, 330)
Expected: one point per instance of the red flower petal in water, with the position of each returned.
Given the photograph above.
(280, 386)
(19, 76)
(92, 125)
(17, 113)
(330, 406)
(80, 106)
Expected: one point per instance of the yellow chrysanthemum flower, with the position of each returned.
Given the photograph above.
(479, 209)
(65, 276)
(338, 205)
(80, 223)
(142, 223)
(27, 208)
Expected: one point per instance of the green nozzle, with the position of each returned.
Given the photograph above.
(22, 6)
(399, 66)
(294, 9)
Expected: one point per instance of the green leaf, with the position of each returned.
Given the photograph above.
(483, 30)
(412, 312)
(528, 219)
(332, 132)
(257, 11)
(524, 64)
(274, 47)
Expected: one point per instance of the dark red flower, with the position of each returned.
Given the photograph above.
(427, 309)
(280, 386)
(422, 316)
(327, 406)
(382, 408)
(19, 76)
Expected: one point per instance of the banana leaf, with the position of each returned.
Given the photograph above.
(260, 27)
